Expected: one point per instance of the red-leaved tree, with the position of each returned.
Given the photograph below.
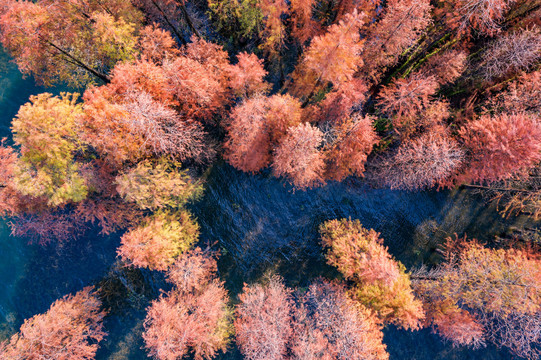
(347, 152)
(263, 321)
(257, 126)
(500, 146)
(401, 23)
(511, 53)
(482, 15)
(330, 326)
(298, 157)
(70, 330)
(193, 317)
(405, 100)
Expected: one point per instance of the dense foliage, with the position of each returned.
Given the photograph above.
(410, 94)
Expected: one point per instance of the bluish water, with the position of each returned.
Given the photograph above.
(259, 224)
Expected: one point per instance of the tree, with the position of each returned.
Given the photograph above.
(493, 292)
(263, 320)
(46, 225)
(12, 202)
(482, 15)
(258, 125)
(273, 33)
(156, 44)
(400, 25)
(283, 112)
(172, 14)
(132, 125)
(457, 325)
(500, 146)
(159, 239)
(111, 214)
(192, 271)
(65, 41)
(332, 57)
(104, 205)
(422, 163)
(304, 26)
(248, 146)
(138, 76)
(239, 19)
(45, 129)
(198, 90)
(164, 131)
(348, 151)
(523, 95)
(194, 316)
(157, 184)
(338, 104)
(512, 53)
(246, 77)
(328, 325)
(446, 67)
(405, 101)
(70, 330)
(299, 158)
(381, 283)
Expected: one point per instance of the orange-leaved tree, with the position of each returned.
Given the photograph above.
(194, 317)
(480, 294)
(67, 41)
(347, 152)
(331, 58)
(70, 330)
(159, 239)
(380, 282)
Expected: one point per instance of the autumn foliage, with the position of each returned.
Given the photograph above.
(73, 42)
(263, 320)
(408, 94)
(332, 57)
(501, 146)
(401, 23)
(159, 239)
(156, 185)
(320, 323)
(329, 325)
(406, 101)
(193, 317)
(257, 126)
(427, 161)
(45, 129)
(481, 15)
(70, 329)
(381, 282)
(299, 158)
(481, 294)
(512, 53)
(348, 152)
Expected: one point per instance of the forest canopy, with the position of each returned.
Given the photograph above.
(407, 95)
